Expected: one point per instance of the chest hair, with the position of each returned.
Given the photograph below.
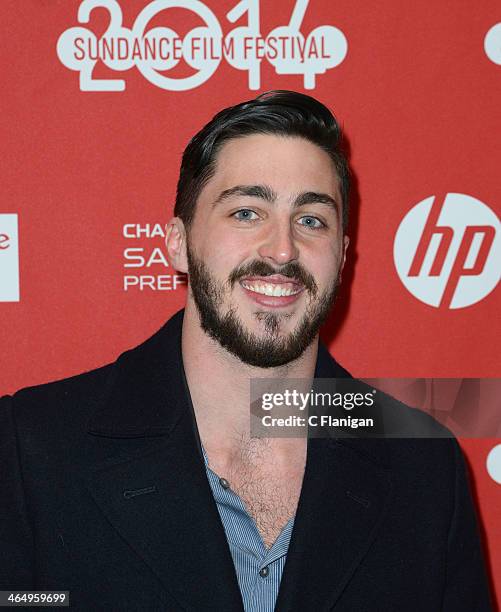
(270, 491)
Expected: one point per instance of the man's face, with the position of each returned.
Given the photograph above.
(266, 247)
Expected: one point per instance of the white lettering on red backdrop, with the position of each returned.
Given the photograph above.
(147, 266)
(448, 252)
(9, 258)
(159, 49)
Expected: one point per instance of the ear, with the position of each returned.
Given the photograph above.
(346, 242)
(175, 242)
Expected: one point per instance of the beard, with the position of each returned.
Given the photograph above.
(270, 349)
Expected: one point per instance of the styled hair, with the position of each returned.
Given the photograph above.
(279, 112)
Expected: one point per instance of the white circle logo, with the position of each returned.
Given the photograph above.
(492, 44)
(494, 464)
(448, 252)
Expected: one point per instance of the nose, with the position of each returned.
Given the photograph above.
(278, 244)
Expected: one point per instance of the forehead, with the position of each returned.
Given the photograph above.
(288, 164)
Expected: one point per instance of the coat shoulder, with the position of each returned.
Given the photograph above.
(63, 401)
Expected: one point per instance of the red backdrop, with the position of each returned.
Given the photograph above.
(418, 90)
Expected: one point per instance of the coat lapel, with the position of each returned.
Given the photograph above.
(154, 489)
(343, 501)
(346, 491)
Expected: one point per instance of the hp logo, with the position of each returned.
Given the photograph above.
(447, 252)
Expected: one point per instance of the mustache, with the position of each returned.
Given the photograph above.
(292, 270)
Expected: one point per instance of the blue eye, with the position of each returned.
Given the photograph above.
(311, 222)
(245, 214)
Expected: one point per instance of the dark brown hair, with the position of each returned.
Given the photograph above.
(280, 112)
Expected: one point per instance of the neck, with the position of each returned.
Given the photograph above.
(219, 385)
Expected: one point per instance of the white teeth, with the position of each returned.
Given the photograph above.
(269, 289)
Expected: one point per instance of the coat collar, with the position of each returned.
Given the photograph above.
(173, 522)
(148, 391)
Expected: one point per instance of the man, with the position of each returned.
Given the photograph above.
(139, 487)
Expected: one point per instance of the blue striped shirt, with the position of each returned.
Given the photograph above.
(258, 569)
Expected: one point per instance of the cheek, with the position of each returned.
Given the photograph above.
(223, 252)
(229, 248)
(325, 266)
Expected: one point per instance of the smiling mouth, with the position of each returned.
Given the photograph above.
(272, 287)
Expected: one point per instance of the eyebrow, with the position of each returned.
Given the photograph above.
(252, 191)
(264, 192)
(312, 197)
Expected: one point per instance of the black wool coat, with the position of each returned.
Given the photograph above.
(104, 493)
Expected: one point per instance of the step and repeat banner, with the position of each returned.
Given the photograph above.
(100, 99)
